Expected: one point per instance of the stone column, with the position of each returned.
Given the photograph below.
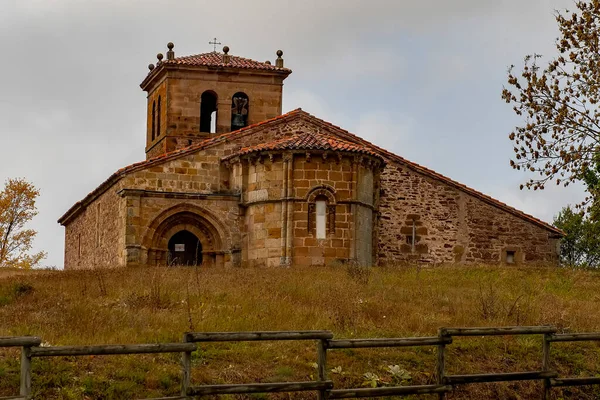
(355, 164)
(219, 260)
(285, 205)
(133, 248)
(224, 115)
(290, 209)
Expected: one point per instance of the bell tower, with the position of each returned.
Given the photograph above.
(192, 98)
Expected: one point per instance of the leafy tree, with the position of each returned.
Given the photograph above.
(581, 245)
(591, 178)
(560, 138)
(17, 207)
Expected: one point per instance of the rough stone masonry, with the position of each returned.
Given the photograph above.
(230, 181)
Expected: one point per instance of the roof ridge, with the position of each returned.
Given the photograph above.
(215, 58)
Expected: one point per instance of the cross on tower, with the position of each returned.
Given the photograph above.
(214, 43)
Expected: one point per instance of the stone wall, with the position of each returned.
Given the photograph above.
(321, 177)
(186, 87)
(279, 193)
(262, 194)
(95, 237)
(153, 217)
(275, 224)
(157, 145)
(181, 93)
(451, 225)
(201, 174)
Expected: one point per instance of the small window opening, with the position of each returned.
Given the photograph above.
(239, 111)
(412, 238)
(321, 211)
(153, 125)
(510, 257)
(158, 119)
(208, 112)
(414, 235)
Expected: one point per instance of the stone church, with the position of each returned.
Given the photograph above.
(230, 181)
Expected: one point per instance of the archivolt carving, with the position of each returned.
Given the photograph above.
(213, 235)
(322, 190)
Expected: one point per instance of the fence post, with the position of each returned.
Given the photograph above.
(25, 390)
(322, 366)
(441, 361)
(186, 369)
(546, 365)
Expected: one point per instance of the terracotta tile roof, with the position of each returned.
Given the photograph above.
(215, 59)
(344, 134)
(307, 141)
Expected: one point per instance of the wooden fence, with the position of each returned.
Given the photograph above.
(31, 348)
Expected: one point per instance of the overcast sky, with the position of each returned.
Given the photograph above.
(421, 78)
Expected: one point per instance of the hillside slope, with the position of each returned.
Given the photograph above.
(158, 305)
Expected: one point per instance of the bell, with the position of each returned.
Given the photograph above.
(237, 120)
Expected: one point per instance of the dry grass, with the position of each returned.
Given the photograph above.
(158, 305)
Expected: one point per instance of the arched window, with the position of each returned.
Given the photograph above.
(239, 110)
(208, 112)
(153, 126)
(321, 214)
(158, 119)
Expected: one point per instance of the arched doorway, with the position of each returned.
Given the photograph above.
(185, 249)
(205, 233)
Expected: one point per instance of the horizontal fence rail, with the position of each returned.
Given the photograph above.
(388, 391)
(259, 388)
(510, 330)
(111, 349)
(24, 341)
(403, 342)
(31, 348)
(253, 336)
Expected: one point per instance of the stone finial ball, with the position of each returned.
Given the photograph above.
(226, 49)
(170, 45)
(159, 56)
(268, 62)
(150, 67)
(279, 53)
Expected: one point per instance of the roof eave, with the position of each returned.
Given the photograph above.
(81, 205)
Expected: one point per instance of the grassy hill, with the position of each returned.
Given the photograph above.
(157, 305)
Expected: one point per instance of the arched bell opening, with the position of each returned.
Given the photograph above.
(208, 112)
(184, 249)
(239, 110)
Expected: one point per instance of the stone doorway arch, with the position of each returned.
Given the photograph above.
(201, 224)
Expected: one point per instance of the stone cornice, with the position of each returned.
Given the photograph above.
(303, 200)
(178, 195)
